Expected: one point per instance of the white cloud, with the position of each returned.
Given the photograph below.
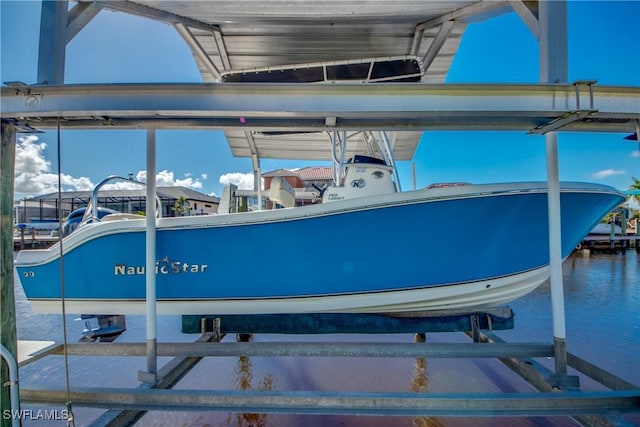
(244, 181)
(30, 156)
(635, 153)
(122, 185)
(164, 178)
(33, 173)
(607, 172)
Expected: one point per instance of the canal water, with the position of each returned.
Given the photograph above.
(602, 301)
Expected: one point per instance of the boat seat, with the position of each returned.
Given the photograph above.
(282, 192)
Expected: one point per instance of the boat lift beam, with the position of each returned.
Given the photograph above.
(336, 403)
(588, 408)
(304, 108)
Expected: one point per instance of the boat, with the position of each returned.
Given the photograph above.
(367, 247)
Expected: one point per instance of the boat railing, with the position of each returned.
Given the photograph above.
(91, 213)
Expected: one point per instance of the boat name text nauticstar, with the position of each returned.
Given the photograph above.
(162, 267)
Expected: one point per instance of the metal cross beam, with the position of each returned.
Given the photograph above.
(269, 107)
(356, 403)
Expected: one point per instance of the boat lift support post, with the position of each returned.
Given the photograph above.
(552, 37)
(150, 376)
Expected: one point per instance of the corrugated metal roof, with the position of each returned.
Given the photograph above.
(311, 146)
(236, 35)
(231, 36)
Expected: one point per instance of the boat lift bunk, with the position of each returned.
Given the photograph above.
(472, 321)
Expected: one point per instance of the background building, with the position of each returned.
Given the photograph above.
(306, 182)
(47, 207)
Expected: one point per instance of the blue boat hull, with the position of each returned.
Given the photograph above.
(390, 254)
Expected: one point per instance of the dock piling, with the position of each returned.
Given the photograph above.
(8, 337)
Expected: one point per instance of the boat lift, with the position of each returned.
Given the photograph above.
(547, 108)
(621, 398)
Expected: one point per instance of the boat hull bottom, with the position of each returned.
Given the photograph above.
(484, 293)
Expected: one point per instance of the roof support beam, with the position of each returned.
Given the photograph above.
(79, 16)
(159, 15)
(222, 50)
(528, 12)
(438, 42)
(197, 49)
(463, 13)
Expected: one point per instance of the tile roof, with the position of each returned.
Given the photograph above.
(310, 173)
(279, 172)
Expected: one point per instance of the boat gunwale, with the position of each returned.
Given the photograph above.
(33, 257)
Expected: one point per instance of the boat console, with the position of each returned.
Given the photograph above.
(365, 176)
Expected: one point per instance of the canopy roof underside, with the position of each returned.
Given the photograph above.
(338, 41)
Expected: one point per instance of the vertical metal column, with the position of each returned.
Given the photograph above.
(386, 143)
(53, 40)
(150, 265)
(338, 162)
(255, 161)
(12, 385)
(552, 27)
(555, 255)
(257, 185)
(8, 337)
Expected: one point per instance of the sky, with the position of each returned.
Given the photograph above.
(114, 47)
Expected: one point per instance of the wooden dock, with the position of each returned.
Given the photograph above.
(33, 241)
(610, 244)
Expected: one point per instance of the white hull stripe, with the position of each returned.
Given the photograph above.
(476, 294)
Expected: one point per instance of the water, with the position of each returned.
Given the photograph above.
(602, 300)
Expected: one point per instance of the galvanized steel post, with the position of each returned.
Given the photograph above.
(552, 31)
(150, 266)
(12, 385)
(53, 42)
